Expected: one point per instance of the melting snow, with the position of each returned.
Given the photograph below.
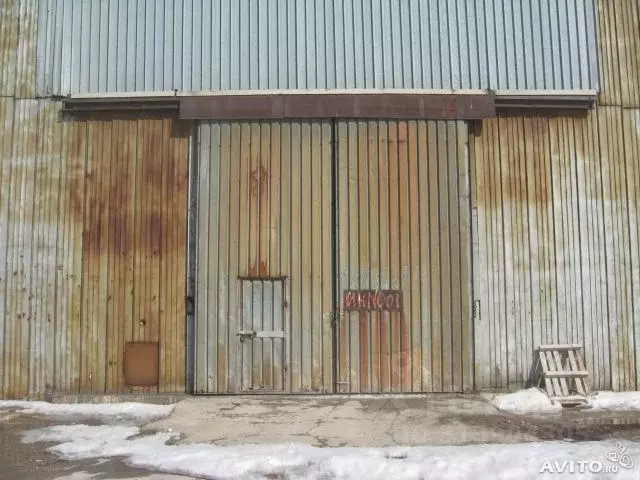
(106, 412)
(606, 459)
(297, 461)
(534, 400)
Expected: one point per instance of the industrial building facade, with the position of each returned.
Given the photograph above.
(318, 196)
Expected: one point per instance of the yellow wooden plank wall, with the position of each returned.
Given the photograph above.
(92, 249)
(557, 244)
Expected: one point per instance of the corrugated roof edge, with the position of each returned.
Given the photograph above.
(205, 93)
(210, 93)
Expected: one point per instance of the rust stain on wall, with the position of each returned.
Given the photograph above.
(576, 227)
(619, 23)
(25, 77)
(259, 180)
(404, 216)
(9, 22)
(512, 144)
(258, 270)
(107, 214)
(513, 186)
(18, 48)
(153, 162)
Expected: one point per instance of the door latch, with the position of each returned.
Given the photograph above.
(336, 317)
(189, 305)
(246, 334)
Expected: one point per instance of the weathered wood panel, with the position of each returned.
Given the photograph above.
(560, 197)
(403, 191)
(264, 211)
(92, 249)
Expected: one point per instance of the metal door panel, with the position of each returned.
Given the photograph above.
(264, 213)
(402, 214)
(262, 346)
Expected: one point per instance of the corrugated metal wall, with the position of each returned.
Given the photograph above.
(556, 250)
(18, 48)
(620, 52)
(92, 249)
(264, 211)
(557, 254)
(149, 45)
(403, 224)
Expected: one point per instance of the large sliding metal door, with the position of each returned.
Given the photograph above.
(333, 247)
(403, 256)
(263, 293)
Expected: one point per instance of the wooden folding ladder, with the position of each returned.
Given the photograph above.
(564, 374)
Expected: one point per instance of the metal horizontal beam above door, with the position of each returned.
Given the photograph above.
(432, 106)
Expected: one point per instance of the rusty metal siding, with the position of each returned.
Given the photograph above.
(620, 52)
(556, 204)
(8, 46)
(264, 196)
(29, 264)
(18, 47)
(134, 219)
(403, 224)
(195, 45)
(556, 259)
(92, 249)
(6, 130)
(631, 135)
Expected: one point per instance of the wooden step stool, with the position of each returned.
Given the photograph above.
(565, 377)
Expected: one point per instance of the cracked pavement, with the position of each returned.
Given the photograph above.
(379, 421)
(363, 421)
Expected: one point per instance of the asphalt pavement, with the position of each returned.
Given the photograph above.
(20, 461)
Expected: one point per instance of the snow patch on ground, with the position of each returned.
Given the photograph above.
(107, 412)
(616, 401)
(297, 461)
(100, 476)
(534, 400)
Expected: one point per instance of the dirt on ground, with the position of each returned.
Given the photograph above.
(567, 426)
(20, 461)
